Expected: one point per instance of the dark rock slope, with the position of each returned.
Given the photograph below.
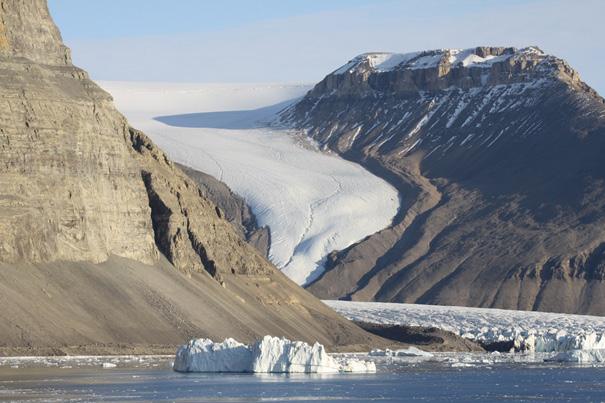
(498, 156)
(233, 207)
(103, 240)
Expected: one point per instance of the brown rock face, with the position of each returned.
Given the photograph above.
(189, 229)
(27, 31)
(440, 70)
(103, 241)
(69, 187)
(496, 153)
(233, 208)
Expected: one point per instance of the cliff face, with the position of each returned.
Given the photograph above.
(103, 240)
(27, 31)
(69, 187)
(496, 153)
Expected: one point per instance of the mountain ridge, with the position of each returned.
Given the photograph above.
(498, 172)
(106, 244)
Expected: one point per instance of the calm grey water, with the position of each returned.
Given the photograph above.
(416, 383)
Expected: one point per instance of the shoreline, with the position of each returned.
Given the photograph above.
(90, 350)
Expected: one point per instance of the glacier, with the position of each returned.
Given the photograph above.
(579, 357)
(536, 332)
(313, 202)
(268, 355)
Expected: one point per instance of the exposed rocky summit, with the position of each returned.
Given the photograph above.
(497, 154)
(104, 241)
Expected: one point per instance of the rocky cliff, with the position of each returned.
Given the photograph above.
(233, 207)
(496, 153)
(104, 241)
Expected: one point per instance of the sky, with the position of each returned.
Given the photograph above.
(297, 41)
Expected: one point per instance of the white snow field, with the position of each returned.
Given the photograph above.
(313, 202)
(268, 355)
(530, 331)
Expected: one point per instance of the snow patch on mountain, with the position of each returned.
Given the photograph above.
(313, 202)
(381, 62)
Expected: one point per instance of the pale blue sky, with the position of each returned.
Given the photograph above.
(302, 40)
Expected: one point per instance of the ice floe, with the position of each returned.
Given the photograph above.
(88, 361)
(268, 355)
(406, 352)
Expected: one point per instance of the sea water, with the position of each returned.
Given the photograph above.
(154, 381)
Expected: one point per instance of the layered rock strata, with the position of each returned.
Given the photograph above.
(496, 153)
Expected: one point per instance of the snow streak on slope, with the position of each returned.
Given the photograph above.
(313, 202)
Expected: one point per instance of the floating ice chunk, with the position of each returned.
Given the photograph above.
(203, 355)
(411, 352)
(379, 353)
(108, 365)
(358, 366)
(268, 355)
(406, 352)
(272, 354)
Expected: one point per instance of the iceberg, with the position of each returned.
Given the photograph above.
(203, 355)
(275, 355)
(268, 355)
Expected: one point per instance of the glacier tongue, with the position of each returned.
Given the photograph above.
(539, 332)
(268, 355)
(580, 356)
(313, 202)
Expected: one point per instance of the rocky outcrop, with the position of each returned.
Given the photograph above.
(496, 154)
(429, 338)
(69, 187)
(104, 241)
(28, 32)
(444, 69)
(189, 230)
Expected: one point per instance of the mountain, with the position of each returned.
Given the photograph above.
(105, 245)
(497, 155)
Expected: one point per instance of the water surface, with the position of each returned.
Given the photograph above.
(415, 382)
